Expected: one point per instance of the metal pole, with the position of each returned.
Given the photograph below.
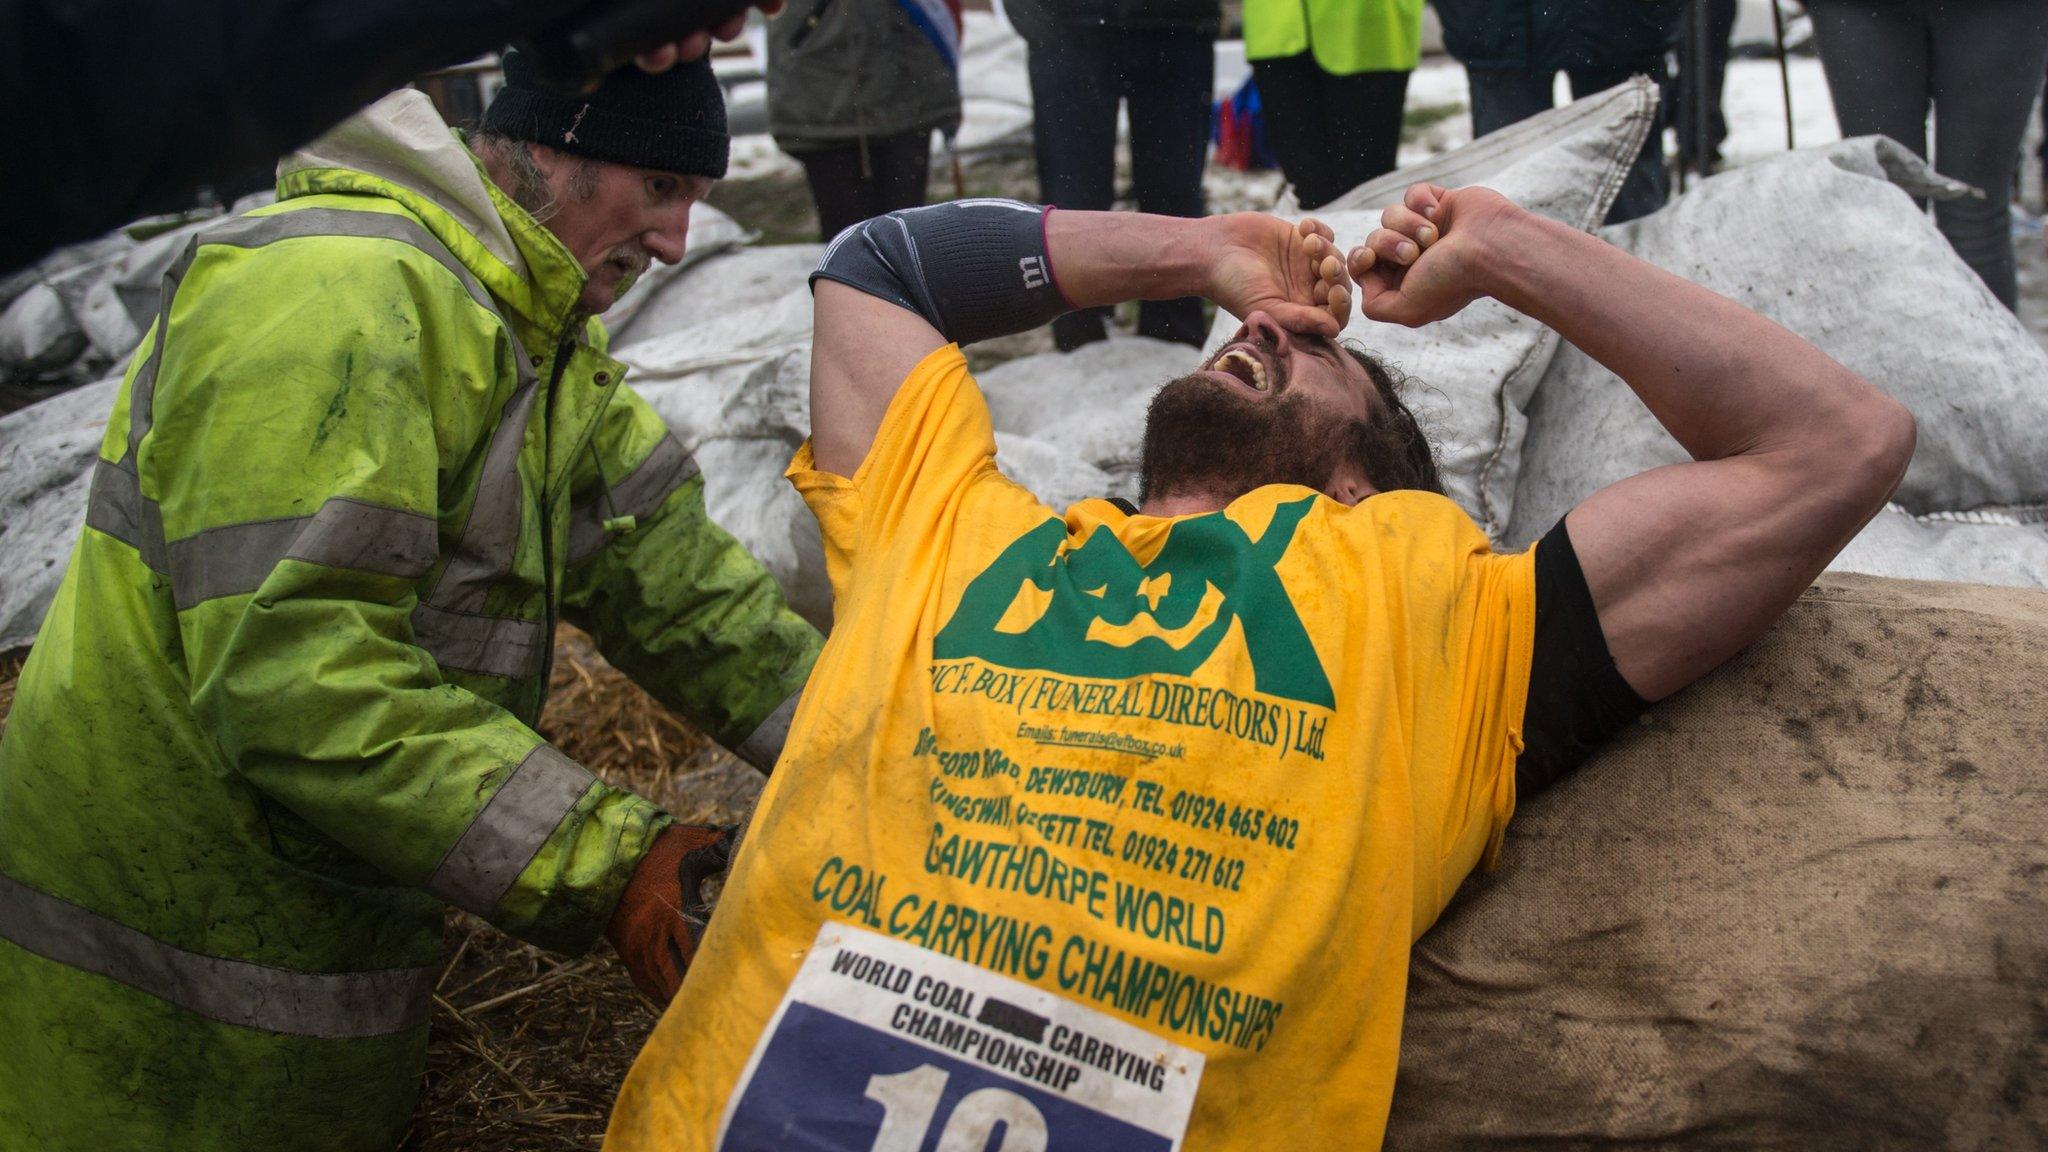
(1784, 71)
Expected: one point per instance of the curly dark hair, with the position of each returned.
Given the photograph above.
(1396, 452)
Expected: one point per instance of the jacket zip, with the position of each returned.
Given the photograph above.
(547, 523)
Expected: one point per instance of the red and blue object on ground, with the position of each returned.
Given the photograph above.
(1240, 131)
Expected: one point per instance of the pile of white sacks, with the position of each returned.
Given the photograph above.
(77, 313)
(1829, 242)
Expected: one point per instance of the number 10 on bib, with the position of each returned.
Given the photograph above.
(882, 1046)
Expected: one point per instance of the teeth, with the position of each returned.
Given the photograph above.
(1253, 367)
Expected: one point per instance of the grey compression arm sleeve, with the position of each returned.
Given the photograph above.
(975, 269)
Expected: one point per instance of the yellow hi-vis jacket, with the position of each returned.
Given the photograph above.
(280, 715)
(1347, 36)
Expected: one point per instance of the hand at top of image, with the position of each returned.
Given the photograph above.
(698, 44)
(1292, 272)
(1428, 259)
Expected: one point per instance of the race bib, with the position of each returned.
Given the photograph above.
(882, 1046)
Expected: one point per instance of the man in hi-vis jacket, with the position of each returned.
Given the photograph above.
(280, 715)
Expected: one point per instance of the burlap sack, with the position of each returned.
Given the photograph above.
(1802, 905)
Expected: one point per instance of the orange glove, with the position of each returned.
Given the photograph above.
(661, 917)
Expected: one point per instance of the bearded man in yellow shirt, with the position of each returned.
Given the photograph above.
(1112, 829)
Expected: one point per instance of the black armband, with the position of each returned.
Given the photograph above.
(975, 269)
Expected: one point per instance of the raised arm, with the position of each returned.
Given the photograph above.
(891, 290)
(1792, 452)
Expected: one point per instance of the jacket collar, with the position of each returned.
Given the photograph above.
(400, 148)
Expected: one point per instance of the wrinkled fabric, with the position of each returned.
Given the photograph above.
(97, 299)
(1846, 260)
(47, 452)
(280, 712)
(852, 70)
(1984, 546)
(1798, 905)
(47, 449)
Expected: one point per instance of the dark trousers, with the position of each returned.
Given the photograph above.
(862, 179)
(1332, 133)
(1166, 76)
(1685, 101)
(1504, 96)
(1977, 66)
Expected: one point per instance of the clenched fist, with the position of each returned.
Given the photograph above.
(1432, 254)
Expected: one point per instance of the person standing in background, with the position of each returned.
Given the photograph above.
(855, 90)
(1513, 50)
(1978, 65)
(1087, 57)
(2042, 151)
(1333, 77)
(1685, 106)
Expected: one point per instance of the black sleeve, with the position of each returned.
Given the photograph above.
(1577, 698)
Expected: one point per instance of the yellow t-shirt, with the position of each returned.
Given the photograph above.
(1097, 831)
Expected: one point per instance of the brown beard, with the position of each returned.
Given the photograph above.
(1205, 438)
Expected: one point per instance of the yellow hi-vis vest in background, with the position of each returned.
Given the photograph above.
(1097, 831)
(1347, 36)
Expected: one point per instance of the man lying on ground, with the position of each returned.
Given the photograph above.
(1113, 830)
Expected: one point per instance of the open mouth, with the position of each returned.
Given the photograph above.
(1244, 364)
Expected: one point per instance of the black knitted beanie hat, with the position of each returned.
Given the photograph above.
(671, 121)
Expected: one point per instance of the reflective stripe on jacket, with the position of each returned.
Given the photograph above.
(1347, 36)
(281, 711)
